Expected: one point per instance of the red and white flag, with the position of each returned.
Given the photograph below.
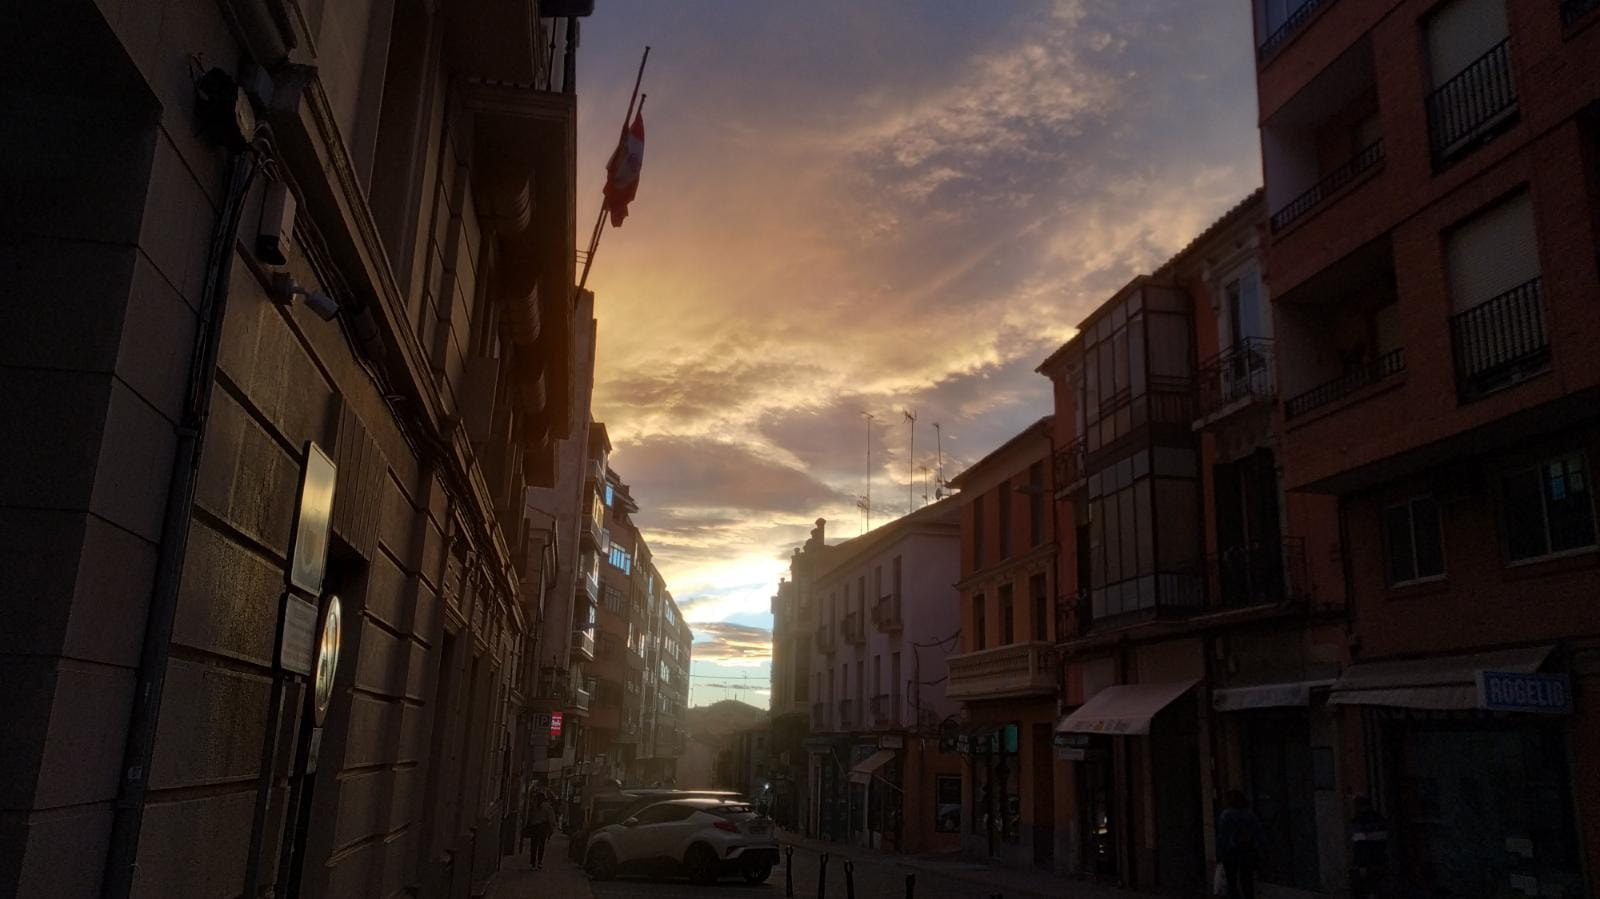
(622, 172)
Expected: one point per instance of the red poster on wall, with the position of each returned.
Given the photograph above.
(555, 725)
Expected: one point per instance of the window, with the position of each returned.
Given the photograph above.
(1244, 309)
(666, 813)
(1041, 607)
(947, 803)
(1548, 508)
(877, 583)
(1412, 541)
(1008, 624)
(979, 637)
(615, 602)
(1005, 520)
(621, 559)
(977, 532)
(861, 594)
(609, 495)
(1036, 498)
(877, 675)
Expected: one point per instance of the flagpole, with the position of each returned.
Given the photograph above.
(599, 220)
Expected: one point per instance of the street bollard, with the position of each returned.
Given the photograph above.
(911, 886)
(822, 876)
(788, 870)
(849, 879)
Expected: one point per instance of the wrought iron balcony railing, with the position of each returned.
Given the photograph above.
(1353, 379)
(1244, 371)
(1180, 589)
(1499, 342)
(1291, 25)
(1335, 181)
(583, 643)
(886, 614)
(1573, 10)
(1258, 573)
(1473, 104)
(1068, 464)
(854, 628)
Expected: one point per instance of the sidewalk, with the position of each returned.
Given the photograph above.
(1011, 882)
(558, 877)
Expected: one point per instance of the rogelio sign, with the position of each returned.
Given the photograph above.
(1545, 694)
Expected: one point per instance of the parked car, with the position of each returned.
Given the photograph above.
(614, 806)
(703, 837)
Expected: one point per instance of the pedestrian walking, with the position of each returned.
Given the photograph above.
(1241, 838)
(1369, 850)
(541, 821)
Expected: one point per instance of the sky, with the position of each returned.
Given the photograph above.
(872, 206)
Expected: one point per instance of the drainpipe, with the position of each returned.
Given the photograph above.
(122, 855)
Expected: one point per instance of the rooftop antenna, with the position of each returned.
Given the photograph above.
(861, 506)
(938, 436)
(911, 462)
(868, 498)
(924, 485)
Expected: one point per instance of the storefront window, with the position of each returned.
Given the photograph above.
(1483, 811)
(947, 804)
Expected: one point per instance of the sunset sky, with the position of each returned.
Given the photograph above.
(860, 206)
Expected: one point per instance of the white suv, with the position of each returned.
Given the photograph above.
(704, 838)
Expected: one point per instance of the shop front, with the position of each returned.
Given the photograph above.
(1008, 802)
(1277, 742)
(1470, 763)
(1136, 753)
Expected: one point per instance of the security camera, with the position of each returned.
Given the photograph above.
(325, 307)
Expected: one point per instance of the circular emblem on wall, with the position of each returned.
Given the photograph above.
(328, 641)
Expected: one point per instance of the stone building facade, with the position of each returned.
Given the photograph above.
(302, 325)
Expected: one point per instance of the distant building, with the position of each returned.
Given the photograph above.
(885, 606)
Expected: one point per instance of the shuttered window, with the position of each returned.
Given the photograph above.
(1460, 32)
(1491, 253)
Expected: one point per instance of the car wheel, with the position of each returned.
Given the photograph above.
(757, 873)
(602, 864)
(701, 863)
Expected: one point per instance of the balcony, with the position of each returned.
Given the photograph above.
(596, 472)
(589, 534)
(1290, 27)
(1331, 184)
(580, 699)
(886, 614)
(854, 628)
(825, 639)
(1259, 573)
(885, 710)
(1500, 342)
(634, 659)
(1235, 379)
(1069, 466)
(583, 643)
(1176, 591)
(1352, 380)
(1473, 105)
(1573, 10)
(1020, 669)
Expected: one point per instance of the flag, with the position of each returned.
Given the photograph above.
(622, 172)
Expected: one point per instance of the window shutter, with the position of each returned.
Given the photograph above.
(1462, 31)
(1492, 253)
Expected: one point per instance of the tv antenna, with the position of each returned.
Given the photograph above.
(925, 473)
(911, 462)
(938, 436)
(868, 498)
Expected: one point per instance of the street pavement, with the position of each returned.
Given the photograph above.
(874, 875)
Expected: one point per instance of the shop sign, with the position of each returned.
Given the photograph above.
(1544, 694)
(555, 725)
(1071, 739)
(891, 741)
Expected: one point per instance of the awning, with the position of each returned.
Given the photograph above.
(863, 771)
(1266, 696)
(1443, 682)
(1125, 710)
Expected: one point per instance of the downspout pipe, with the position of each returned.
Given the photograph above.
(134, 777)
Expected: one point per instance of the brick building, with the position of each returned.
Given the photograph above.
(1432, 171)
(303, 327)
(1004, 671)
